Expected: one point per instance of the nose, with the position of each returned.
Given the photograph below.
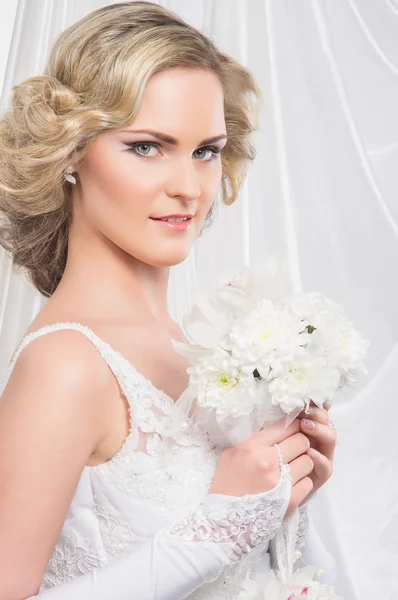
(183, 180)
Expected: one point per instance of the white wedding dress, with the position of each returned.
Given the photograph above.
(143, 526)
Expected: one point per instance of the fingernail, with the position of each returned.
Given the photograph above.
(309, 424)
(313, 453)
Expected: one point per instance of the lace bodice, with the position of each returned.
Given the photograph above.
(159, 477)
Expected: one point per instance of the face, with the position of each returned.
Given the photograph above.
(133, 185)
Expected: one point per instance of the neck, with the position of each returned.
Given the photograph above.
(107, 283)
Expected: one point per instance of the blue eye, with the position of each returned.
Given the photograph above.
(213, 152)
(142, 149)
(134, 148)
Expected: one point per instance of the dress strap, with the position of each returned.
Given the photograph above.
(111, 356)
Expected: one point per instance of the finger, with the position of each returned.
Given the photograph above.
(317, 414)
(294, 446)
(283, 433)
(300, 491)
(301, 467)
(322, 466)
(308, 409)
(274, 433)
(325, 405)
(325, 437)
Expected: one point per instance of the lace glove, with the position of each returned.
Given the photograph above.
(303, 525)
(180, 558)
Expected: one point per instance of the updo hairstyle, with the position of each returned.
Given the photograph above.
(93, 82)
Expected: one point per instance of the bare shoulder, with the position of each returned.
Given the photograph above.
(62, 353)
(52, 416)
(60, 371)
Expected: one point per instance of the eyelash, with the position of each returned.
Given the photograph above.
(133, 146)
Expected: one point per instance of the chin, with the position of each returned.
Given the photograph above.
(169, 260)
(169, 254)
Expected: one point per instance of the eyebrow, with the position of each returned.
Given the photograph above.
(171, 140)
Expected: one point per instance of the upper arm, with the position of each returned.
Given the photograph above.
(50, 423)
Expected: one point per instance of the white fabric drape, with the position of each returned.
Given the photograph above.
(322, 192)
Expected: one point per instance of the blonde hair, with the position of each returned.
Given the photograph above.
(94, 81)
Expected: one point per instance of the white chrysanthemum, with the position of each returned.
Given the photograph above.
(268, 338)
(343, 347)
(334, 337)
(307, 378)
(223, 387)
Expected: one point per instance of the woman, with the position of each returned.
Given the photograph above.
(111, 163)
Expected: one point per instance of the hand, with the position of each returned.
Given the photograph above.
(252, 467)
(323, 441)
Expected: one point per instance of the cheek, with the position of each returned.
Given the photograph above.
(210, 184)
(123, 188)
(129, 181)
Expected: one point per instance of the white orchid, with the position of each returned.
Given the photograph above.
(312, 307)
(300, 585)
(250, 590)
(215, 311)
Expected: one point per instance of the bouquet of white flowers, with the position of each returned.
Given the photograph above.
(258, 353)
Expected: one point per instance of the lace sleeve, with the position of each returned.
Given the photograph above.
(303, 525)
(182, 557)
(242, 523)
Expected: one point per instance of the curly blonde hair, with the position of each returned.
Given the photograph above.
(94, 81)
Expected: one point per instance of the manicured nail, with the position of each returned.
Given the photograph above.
(309, 424)
(313, 453)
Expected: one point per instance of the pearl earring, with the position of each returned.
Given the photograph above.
(68, 175)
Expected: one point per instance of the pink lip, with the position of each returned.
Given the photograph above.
(174, 225)
(174, 216)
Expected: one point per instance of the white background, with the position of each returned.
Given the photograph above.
(7, 16)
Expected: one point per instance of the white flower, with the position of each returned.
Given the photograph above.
(270, 279)
(343, 346)
(268, 338)
(251, 590)
(300, 585)
(312, 307)
(334, 337)
(254, 349)
(214, 312)
(306, 378)
(223, 387)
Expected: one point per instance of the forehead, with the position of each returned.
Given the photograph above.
(182, 100)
